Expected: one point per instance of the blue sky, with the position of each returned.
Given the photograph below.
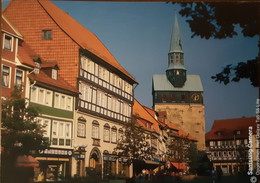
(138, 36)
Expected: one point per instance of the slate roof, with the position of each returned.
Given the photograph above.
(82, 36)
(161, 83)
(228, 127)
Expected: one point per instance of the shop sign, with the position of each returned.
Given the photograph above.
(60, 152)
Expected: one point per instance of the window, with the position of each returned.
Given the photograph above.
(62, 101)
(33, 94)
(61, 133)
(113, 134)
(46, 126)
(173, 98)
(164, 97)
(95, 130)
(183, 97)
(18, 77)
(54, 74)
(120, 132)
(46, 34)
(41, 96)
(81, 129)
(8, 42)
(106, 133)
(6, 76)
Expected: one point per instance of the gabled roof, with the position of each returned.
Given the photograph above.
(161, 83)
(60, 83)
(9, 28)
(82, 36)
(229, 127)
(25, 54)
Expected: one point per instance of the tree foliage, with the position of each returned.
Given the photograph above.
(233, 73)
(134, 144)
(220, 20)
(21, 134)
(177, 149)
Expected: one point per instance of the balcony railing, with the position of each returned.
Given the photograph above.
(102, 111)
(105, 85)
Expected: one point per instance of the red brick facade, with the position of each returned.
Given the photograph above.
(61, 48)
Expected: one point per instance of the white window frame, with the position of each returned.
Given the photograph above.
(47, 128)
(95, 130)
(44, 102)
(9, 76)
(64, 136)
(113, 134)
(106, 133)
(67, 105)
(54, 74)
(11, 42)
(81, 128)
(22, 77)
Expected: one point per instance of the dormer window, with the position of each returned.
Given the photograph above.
(54, 74)
(219, 133)
(238, 132)
(8, 42)
(47, 34)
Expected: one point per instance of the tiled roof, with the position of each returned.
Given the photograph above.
(26, 54)
(49, 64)
(181, 133)
(8, 27)
(82, 36)
(60, 83)
(143, 114)
(161, 83)
(228, 128)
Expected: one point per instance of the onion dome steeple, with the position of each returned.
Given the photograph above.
(176, 72)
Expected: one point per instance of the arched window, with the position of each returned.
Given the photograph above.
(106, 134)
(95, 129)
(114, 134)
(120, 134)
(81, 127)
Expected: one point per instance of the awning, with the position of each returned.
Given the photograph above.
(179, 166)
(27, 161)
(151, 162)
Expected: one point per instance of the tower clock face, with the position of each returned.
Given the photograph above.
(195, 97)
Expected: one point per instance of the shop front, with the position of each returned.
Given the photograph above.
(109, 164)
(54, 165)
(123, 167)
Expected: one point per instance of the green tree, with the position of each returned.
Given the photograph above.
(134, 144)
(21, 134)
(193, 158)
(219, 20)
(177, 148)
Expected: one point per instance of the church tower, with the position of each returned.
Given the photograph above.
(179, 94)
(176, 72)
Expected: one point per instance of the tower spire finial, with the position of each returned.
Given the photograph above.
(175, 45)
